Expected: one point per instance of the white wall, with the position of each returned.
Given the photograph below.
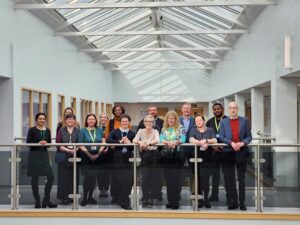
(35, 59)
(257, 57)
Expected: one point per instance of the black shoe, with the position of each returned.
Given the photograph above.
(48, 204)
(83, 202)
(144, 203)
(243, 207)
(92, 201)
(175, 207)
(150, 203)
(65, 202)
(232, 206)
(207, 204)
(114, 201)
(200, 203)
(37, 205)
(159, 198)
(168, 205)
(126, 207)
(213, 198)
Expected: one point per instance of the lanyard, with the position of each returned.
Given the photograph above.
(218, 125)
(93, 138)
(42, 134)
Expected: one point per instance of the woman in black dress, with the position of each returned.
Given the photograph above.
(67, 134)
(38, 161)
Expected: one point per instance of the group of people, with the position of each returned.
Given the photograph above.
(109, 167)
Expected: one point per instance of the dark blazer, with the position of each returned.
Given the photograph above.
(191, 125)
(158, 124)
(244, 134)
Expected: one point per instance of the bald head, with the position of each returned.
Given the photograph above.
(233, 110)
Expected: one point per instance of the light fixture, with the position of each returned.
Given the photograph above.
(287, 52)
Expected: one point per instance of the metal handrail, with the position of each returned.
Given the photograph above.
(257, 161)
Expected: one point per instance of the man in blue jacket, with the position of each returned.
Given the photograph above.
(235, 132)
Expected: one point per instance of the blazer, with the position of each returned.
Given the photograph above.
(244, 135)
(191, 125)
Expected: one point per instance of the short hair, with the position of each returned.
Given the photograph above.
(217, 103)
(114, 108)
(148, 117)
(187, 103)
(125, 116)
(199, 115)
(40, 114)
(68, 116)
(86, 119)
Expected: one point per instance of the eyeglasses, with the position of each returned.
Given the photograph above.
(232, 107)
(149, 121)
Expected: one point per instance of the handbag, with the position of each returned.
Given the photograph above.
(60, 157)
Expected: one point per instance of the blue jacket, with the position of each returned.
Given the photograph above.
(191, 125)
(226, 133)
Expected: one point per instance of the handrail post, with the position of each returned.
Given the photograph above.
(196, 177)
(134, 197)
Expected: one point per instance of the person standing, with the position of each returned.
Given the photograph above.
(123, 170)
(39, 162)
(146, 138)
(215, 123)
(103, 177)
(172, 134)
(90, 156)
(235, 132)
(66, 134)
(158, 124)
(202, 136)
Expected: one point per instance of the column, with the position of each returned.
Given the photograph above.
(257, 111)
(284, 128)
(240, 101)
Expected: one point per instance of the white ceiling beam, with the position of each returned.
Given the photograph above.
(155, 32)
(160, 69)
(159, 61)
(199, 3)
(157, 49)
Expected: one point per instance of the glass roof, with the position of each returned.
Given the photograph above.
(115, 20)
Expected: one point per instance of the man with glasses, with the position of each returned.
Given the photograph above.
(235, 132)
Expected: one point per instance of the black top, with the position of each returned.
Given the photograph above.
(212, 123)
(158, 124)
(35, 135)
(116, 135)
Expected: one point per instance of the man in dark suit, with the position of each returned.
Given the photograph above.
(235, 132)
(158, 124)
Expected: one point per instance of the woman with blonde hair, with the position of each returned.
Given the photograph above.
(172, 135)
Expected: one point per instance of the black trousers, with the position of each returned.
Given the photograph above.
(231, 166)
(103, 179)
(89, 183)
(215, 174)
(122, 178)
(173, 168)
(204, 170)
(65, 180)
(35, 187)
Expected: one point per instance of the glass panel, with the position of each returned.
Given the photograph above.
(34, 168)
(25, 112)
(280, 179)
(5, 181)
